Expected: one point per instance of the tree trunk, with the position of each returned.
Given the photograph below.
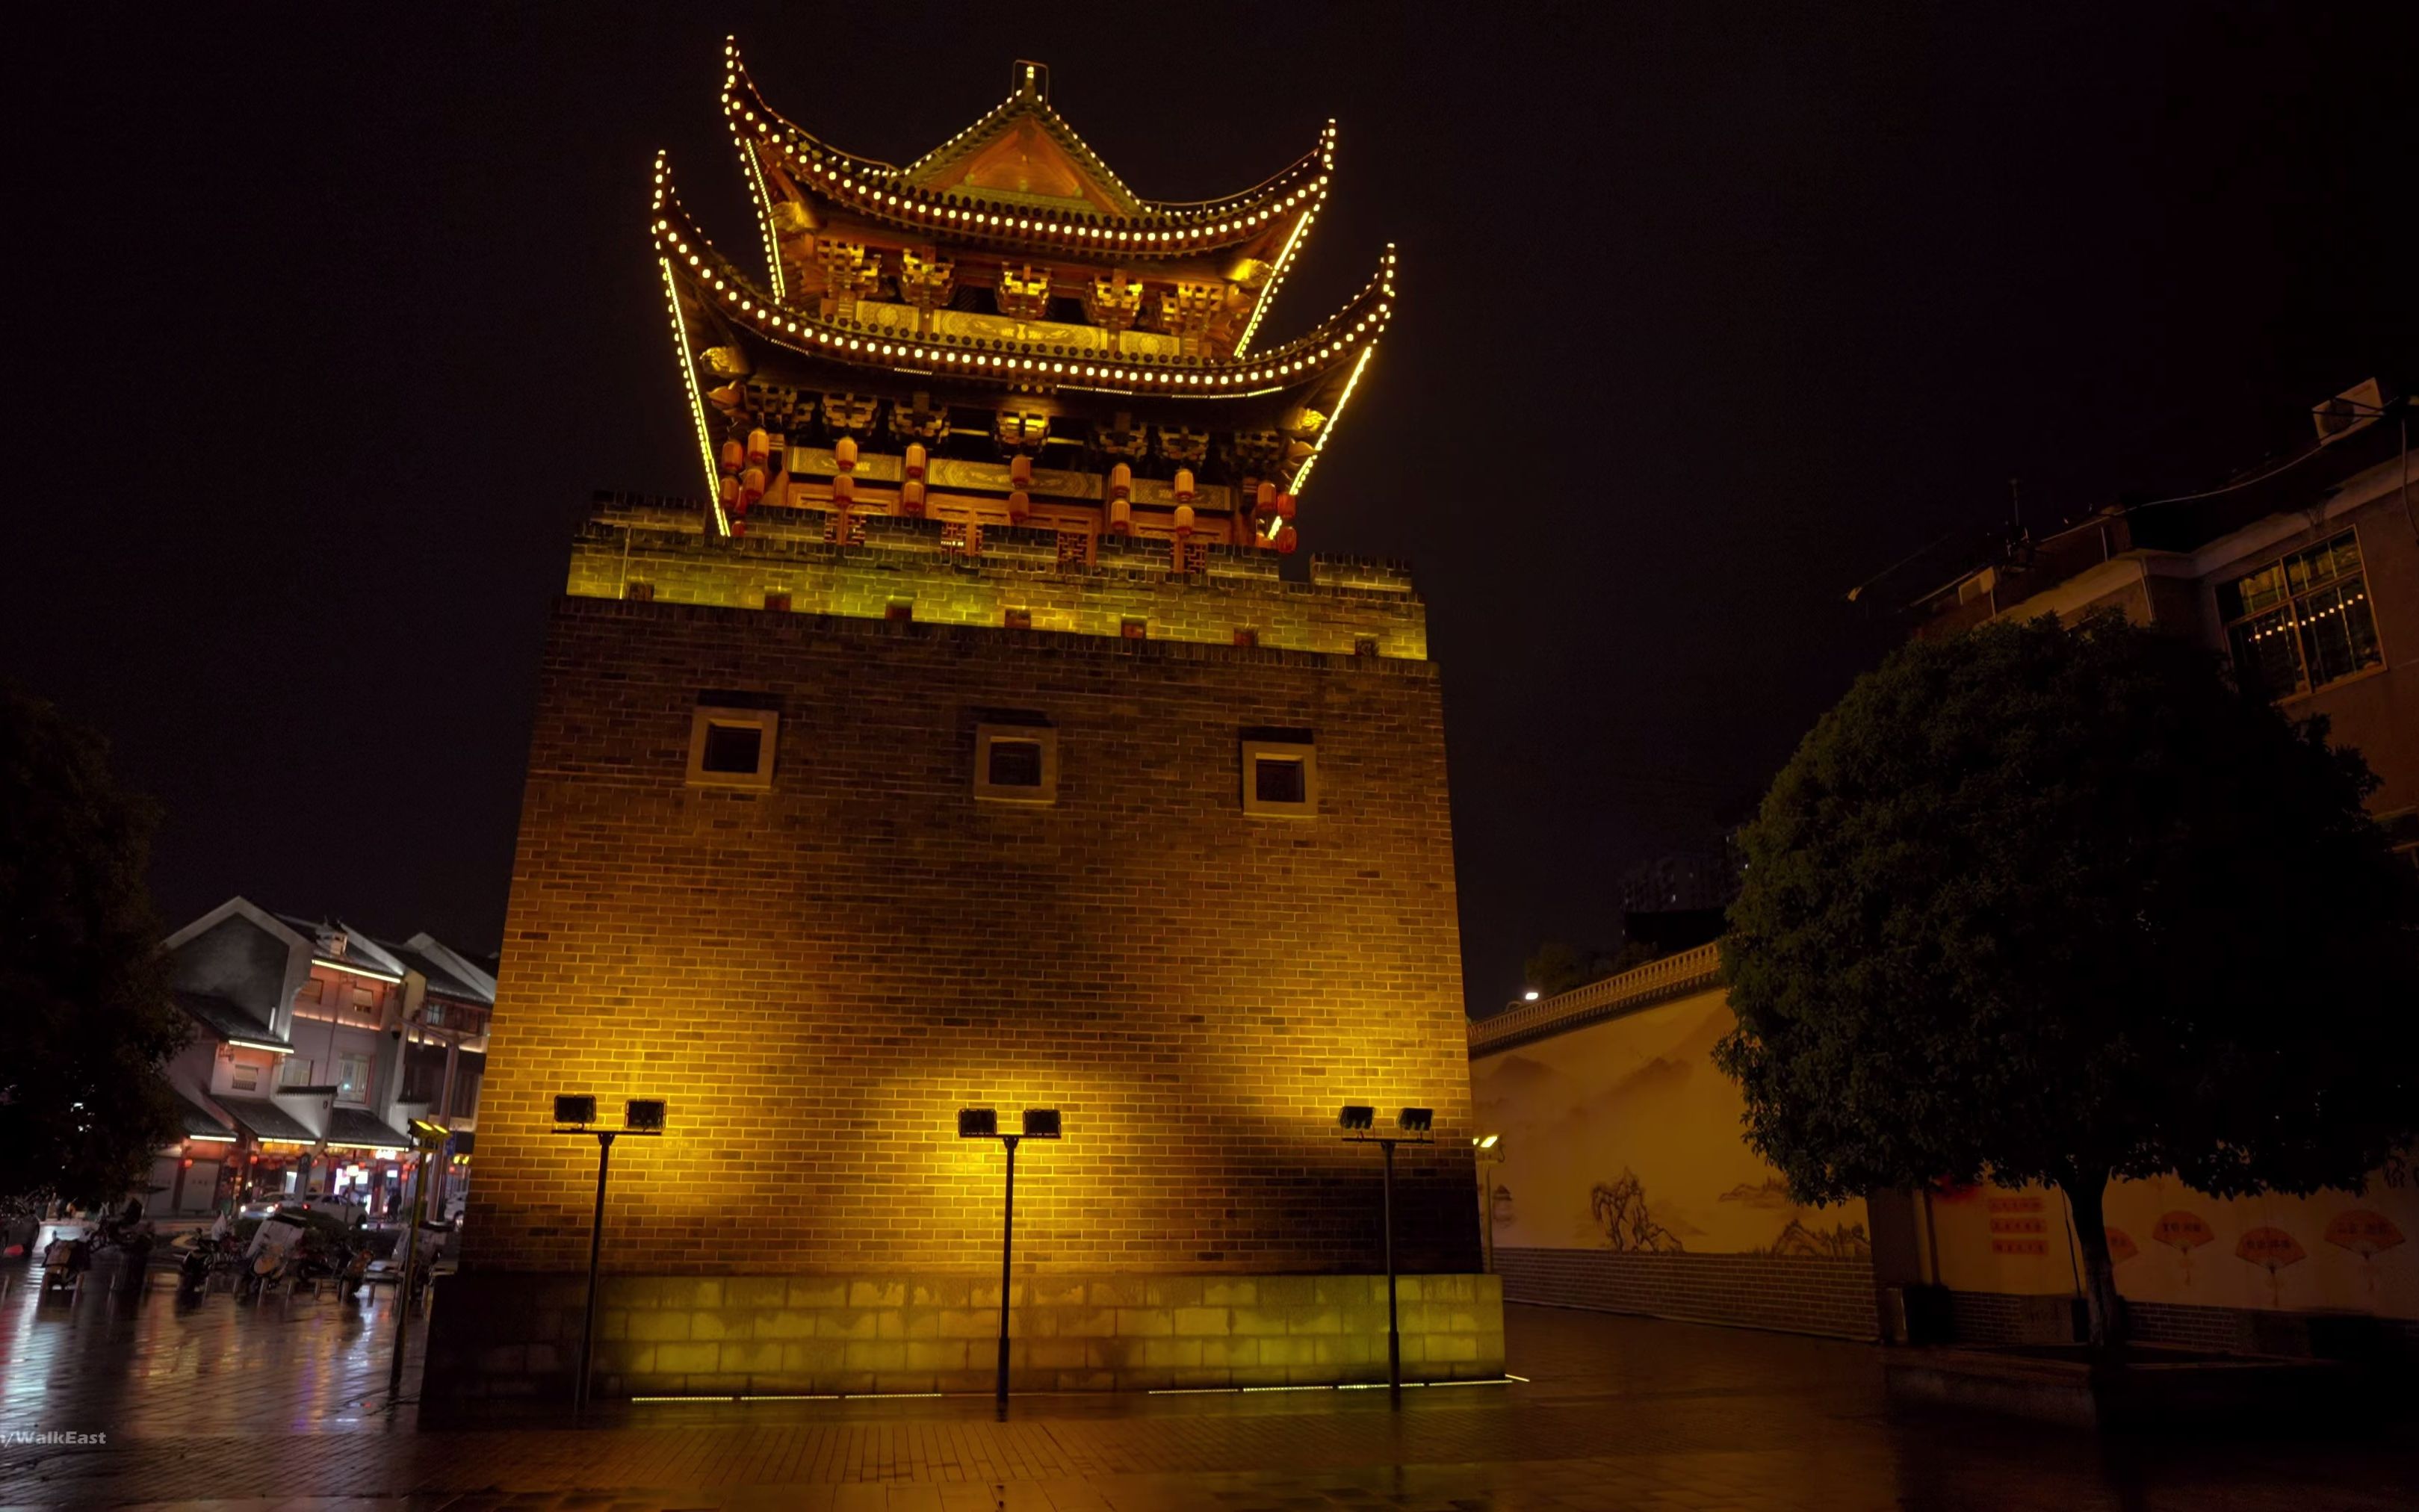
(2084, 1194)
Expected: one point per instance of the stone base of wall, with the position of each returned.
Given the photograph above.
(2002, 1318)
(1799, 1294)
(517, 1335)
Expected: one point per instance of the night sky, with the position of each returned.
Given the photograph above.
(323, 332)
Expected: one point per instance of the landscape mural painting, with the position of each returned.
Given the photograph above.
(1624, 1135)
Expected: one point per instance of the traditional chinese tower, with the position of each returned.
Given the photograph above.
(1002, 335)
(964, 747)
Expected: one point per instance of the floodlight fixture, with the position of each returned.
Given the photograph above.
(1356, 1118)
(575, 1114)
(983, 1123)
(1415, 1120)
(1486, 1141)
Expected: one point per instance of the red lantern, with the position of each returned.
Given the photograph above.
(758, 447)
(844, 454)
(916, 459)
(1120, 481)
(1184, 486)
(730, 491)
(1020, 471)
(751, 487)
(1285, 506)
(911, 497)
(1120, 517)
(1019, 505)
(733, 455)
(1286, 540)
(1264, 495)
(843, 491)
(1184, 522)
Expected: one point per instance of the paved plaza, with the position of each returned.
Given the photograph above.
(228, 1404)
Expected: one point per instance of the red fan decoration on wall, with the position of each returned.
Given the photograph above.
(2271, 1250)
(2182, 1232)
(2367, 1235)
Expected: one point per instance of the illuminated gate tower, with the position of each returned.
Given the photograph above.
(966, 746)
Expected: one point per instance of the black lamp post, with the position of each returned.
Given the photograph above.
(642, 1116)
(1410, 1128)
(983, 1123)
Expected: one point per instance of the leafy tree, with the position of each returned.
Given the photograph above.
(2058, 904)
(85, 1019)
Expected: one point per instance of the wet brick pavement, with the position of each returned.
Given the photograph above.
(283, 1405)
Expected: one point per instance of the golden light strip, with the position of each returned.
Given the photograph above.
(696, 400)
(764, 222)
(1285, 259)
(1327, 432)
(354, 970)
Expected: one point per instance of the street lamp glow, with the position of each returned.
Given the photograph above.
(1529, 996)
(1486, 1141)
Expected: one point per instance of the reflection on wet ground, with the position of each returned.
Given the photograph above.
(283, 1405)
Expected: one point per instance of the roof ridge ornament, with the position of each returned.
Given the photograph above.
(1032, 80)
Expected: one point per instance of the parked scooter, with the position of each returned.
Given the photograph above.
(64, 1264)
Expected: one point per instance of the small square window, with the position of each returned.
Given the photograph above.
(1281, 779)
(1247, 638)
(731, 748)
(779, 602)
(639, 592)
(1016, 764)
(1020, 619)
(1134, 629)
(1364, 645)
(900, 610)
(244, 1078)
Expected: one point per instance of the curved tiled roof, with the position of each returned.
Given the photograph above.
(1333, 344)
(1133, 228)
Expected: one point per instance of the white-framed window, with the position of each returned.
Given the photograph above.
(294, 1071)
(731, 748)
(242, 1078)
(2300, 622)
(1281, 779)
(1016, 764)
(352, 1078)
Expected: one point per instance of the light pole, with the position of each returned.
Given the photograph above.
(983, 1123)
(1411, 1128)
(642, 1116)
(427, 1136)
(1485, 1155)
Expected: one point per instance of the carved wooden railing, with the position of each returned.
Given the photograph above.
(1675, 976)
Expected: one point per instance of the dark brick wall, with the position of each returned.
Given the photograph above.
(1799, 1293)
(819, 976)
(2003, 1318)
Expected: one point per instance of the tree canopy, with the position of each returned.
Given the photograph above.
(85, 1019)
(2039, 902)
